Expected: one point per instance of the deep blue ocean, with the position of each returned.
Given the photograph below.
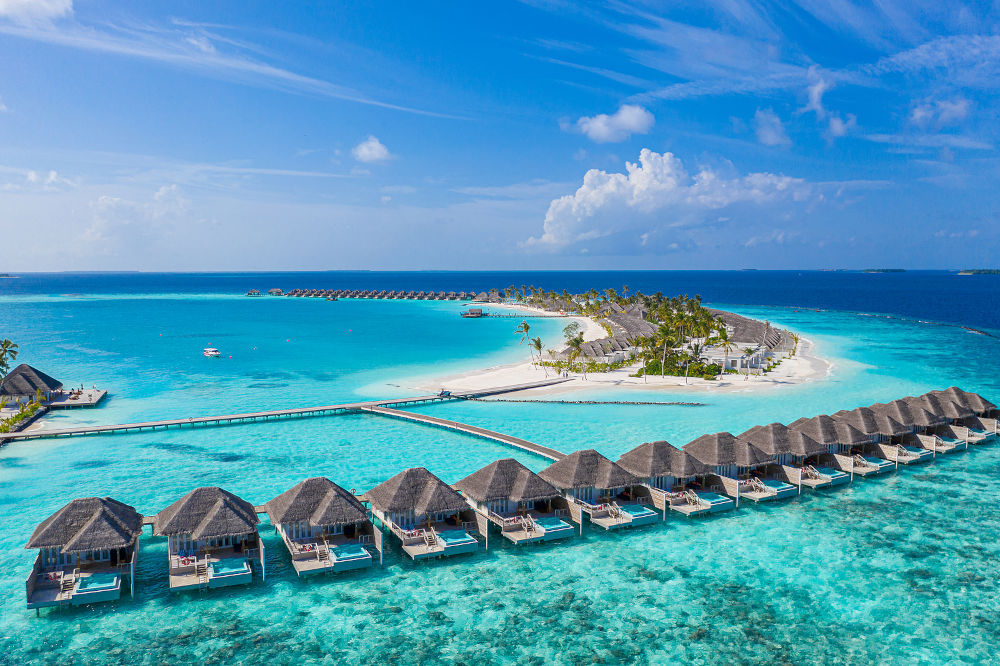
(898, 569)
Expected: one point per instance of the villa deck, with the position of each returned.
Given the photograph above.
(75, 586)
(614, 516)
(73, 399)
(540, 528)
(332, 554)
(222, 568)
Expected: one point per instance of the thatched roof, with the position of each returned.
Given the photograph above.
(973, 401)
(722, 448)
(415, 490)
(319, 501)
(506, 479)
(584, 469)
(940, 406)
(654, 459)
(25, 380)
(90, 523)
(872, 423)
(207, 513)
(776, 439)
(907, 414)
(830, 431)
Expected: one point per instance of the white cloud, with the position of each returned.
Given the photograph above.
(628, 120)
(3, 107)
(371, 150)
(770, 131)
(815, 92)
(840, 127)
(33, 10)
(654, 195)
(939, 113)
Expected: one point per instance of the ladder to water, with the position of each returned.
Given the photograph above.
(202, 570)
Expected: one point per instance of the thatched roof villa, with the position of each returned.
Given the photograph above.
(211, 538)
(525, 507)
(85, 551)
(879, 427)
(732, 461)
(838, 437)
(791, 450)
(612, 496)
(24, 381)
(429, 517)
(325, 528)
(675, 478)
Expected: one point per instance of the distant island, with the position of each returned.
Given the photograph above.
(980, 271)
(884, 270)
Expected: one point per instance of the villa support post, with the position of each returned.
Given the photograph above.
(263, 568)
(377, 533)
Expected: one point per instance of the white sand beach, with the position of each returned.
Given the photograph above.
(805, 366)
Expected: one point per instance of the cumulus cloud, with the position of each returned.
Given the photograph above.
(841, 127)
(770, 131)
(940, 113)
(651, 197)
(814, 93)
(33, 10)
(371, 150)
(629, 119)
(115, 220)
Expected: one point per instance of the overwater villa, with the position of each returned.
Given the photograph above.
(868, 459)
(790, 450)
(428, 517)
(211, 539)
(526, 507)
(983, 422)
(676, 480)
(86, 550)
(951, 435)
(24, 382)
(610, 495)
(735, 463)
(324, 527)
(839, 437)
(916, 445)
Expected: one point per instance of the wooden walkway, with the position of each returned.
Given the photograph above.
(271, 415)
(476, 431)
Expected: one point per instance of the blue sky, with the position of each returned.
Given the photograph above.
(540, 134)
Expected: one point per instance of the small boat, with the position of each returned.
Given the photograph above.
(211, 352)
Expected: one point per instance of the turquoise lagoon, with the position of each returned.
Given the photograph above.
(901, 568)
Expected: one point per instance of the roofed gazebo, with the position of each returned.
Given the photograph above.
(25, 381)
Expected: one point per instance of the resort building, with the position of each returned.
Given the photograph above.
(428, 517)
(211, 539)
(525, 507)
(838, 438)
(610, 495)
(676, 480)
(325, 528)
(951, 434)
(743, 333)
(916, 445)
(24, 382)
(85, 551)
(790, 450)
(868, 458)
(983, 423)
(735, 463)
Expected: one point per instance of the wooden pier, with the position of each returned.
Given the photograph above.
(276, 414)
(476, 431)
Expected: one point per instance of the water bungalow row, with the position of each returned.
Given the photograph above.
(383, 294)
(87, 550)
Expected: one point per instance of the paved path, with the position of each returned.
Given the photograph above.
(517, 442)
(266, 416)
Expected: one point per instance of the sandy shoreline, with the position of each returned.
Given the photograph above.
(805, 366)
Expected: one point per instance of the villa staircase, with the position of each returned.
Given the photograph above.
(859, 461)
(757, 486)
(323, 554)
(616, 512)
(691, 497)
(810, 472)
(66, 586)
(529, 524)
(430, 538)
(201, 569)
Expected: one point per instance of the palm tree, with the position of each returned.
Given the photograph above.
(748, 353)
(523, 329)
(694, 357)
(575, 343)
(536, 344)
(727, 346)
(664, 338)
(8, 352)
